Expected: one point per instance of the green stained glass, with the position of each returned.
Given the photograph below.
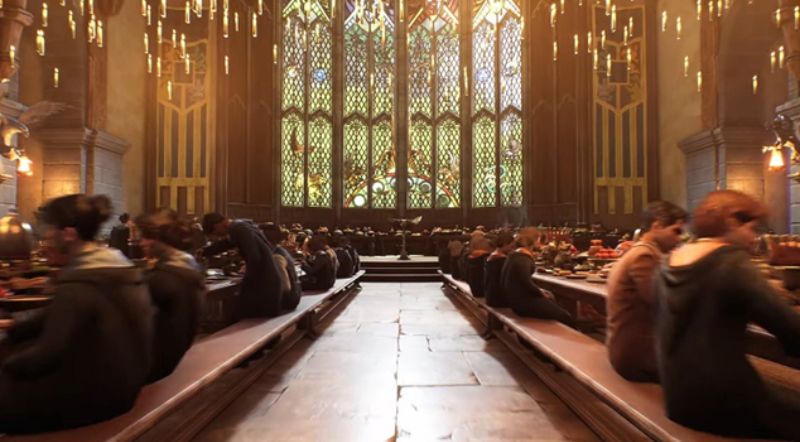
(497, 101)
(369, 145)
(434, 100)
(484, 179)
(511, 161)
(384, 188)
(292, 176)
(320, 138)
(356, 164)
(420, 173)
(448, 184)
(307, 89)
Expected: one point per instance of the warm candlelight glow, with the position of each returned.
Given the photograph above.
(260, 7)
(40, 42)
(187, 13)
(225, 24)
(699, 81)
(12, 54)
(553, 15)
(576, 43)
(608, 65)
(227, 65)
(169, 90)
(254, 24)
(773, 60)
(187, 64)
(159, 32)
(146, 43)
(595, 59)
(776, 162)
(797, 18)
(24, 166)
(699, 10)
(56, 79)
(613, 18)
(158, 67)
(73, 27)
(162, 8)
(236, 21)
(755, 84)
(664, 21)
(555, 51)
(678, 28)
(100, 33)
(781, 57)
(144, 8)
(686, 66)
(44, 14)
(149, 63)
(275, 54)
(183, 46)
(589, 41)
(603, 39)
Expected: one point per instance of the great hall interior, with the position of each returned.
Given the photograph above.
(410, 220)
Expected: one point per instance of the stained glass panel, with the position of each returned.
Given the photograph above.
(434, 97)
(420, 179)
(293, 178)
(369, 34)
(448, 184)
(356, 163)
(307, 89)
(497, 101)
(483, 164)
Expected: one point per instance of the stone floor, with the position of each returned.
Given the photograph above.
(403, 363)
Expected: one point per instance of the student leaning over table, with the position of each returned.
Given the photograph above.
(707, 294)
(84, 358)
(631, 306)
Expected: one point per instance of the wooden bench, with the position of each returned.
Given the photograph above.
(207, 361)
(585, 361)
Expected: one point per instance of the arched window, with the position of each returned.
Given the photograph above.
(434, 85)
(307, 107)
(369, 149)
(497, 104)
(444, 124)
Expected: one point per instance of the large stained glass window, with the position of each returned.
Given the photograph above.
(434, 129)
(497, 104)
(307, 109)
(459, 107)
(369, 151)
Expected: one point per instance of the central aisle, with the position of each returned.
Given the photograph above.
(400, 363)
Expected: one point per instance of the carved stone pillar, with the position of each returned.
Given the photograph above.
(725, 158)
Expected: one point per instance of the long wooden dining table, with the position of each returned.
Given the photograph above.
(573, 293)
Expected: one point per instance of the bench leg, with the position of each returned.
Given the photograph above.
(308, 325)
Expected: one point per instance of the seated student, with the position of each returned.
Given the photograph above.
(631, 307)
(260, 294)
(456, 248)
(495, 296)
(346, 267)
(353, 255)
(290, 283)
(85, 357)
(524, 297)
(318, 266)
(177, 285)
(476, 261)
(707, 293)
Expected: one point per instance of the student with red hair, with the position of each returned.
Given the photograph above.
(707, 293)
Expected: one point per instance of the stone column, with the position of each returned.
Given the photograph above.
(725, 158)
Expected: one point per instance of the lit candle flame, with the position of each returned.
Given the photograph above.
(169, 90)
(699, 81)
(40, 42)
(678, 27)
(24, 165)
(781, 57)
(56, 79)
(613, 18)
(755, 84)
(664, 21)
(776, 162)
(686, 66)
(576, 42)
(187, 63)
(44, 15)
(254, 24)
(227, 65)
(100, 33)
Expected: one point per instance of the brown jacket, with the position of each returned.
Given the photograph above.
(631, 309)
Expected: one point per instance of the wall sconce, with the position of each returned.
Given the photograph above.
(786, 139)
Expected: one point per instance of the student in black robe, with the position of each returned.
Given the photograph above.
(177, 285)
(707, 293)
(353, 255)
(320, 273)
(120, 234)
(524, 297)
(492, 288)
(481, 248)
(290, 282)
(346, 266)
(261, 294)
(84, 358)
